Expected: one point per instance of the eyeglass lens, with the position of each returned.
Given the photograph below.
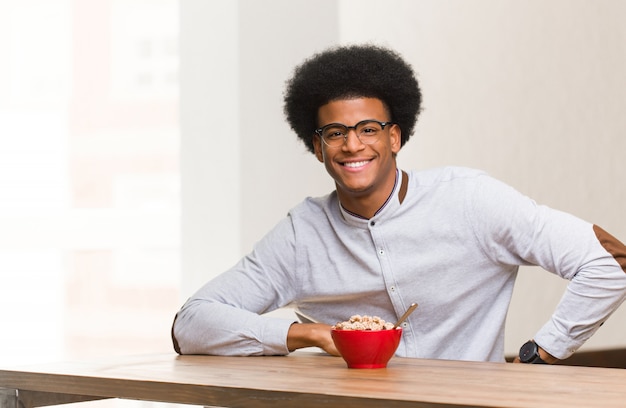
(367, 131)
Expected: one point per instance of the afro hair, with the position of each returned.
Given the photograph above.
(346, 72)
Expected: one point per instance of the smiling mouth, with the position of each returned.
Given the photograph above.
(354, 165)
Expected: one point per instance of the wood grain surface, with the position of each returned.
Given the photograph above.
(313, 379)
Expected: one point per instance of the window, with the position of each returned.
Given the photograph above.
(89, 179)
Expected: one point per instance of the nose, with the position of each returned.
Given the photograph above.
(352, 141)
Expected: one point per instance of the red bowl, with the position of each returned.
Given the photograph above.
(367, 348)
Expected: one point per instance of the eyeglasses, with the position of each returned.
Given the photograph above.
(335, 134)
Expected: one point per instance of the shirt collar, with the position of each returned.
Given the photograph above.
(393, 202)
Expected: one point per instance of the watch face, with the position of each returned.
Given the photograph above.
(528, 352)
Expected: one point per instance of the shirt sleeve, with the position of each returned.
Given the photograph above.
(516, 230)
(224, 317)
(593, 294)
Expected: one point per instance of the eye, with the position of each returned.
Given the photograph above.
(334, 133)
(369, 129)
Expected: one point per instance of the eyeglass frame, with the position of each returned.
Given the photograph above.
(319, 131)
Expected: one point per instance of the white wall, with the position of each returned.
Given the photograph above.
(532, 92)
(209, 120)
(237, 149)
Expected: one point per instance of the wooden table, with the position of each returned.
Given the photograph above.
(312, 380)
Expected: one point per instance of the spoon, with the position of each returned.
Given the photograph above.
(405, 315)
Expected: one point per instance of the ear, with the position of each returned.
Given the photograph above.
(317, 146)
(395, 138)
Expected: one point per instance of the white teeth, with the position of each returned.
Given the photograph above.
(356, 164)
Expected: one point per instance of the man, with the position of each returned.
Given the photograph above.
(450, 239)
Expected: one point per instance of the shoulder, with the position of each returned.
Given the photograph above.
(450, 175)
(313, 206)
(461, 184)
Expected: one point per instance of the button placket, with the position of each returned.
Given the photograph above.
(392, 289)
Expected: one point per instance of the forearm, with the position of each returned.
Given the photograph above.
(218, 329)
(591, 297)
(589, 258)
(225, 316)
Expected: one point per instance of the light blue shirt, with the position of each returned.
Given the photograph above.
(453, 245)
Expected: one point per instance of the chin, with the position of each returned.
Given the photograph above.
(355, 190)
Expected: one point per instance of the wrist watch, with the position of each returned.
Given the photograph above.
(529, 353)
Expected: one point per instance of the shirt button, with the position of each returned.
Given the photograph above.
(392, 288)
(405, 324)
(381, 251)
(372, 223)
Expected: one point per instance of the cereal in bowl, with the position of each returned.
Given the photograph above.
(358, 322)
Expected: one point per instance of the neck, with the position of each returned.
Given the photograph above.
(366, 204)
